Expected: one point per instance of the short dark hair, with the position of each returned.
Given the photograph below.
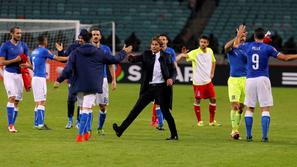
(85, 35)
(12, 29)
(204, 37)
(95, 28)
(259, 33)
(156, 38)
(41, 39)
(164, 35)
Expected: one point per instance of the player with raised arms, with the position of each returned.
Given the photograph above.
(258, 86)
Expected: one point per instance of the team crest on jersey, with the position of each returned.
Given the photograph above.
(233, 97)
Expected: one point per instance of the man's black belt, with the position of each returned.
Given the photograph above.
(157, 84)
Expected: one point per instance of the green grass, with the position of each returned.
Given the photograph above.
(141, 145)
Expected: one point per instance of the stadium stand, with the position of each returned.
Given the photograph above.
(274, 15)
(130, 15)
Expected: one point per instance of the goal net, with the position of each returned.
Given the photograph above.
(64, 31)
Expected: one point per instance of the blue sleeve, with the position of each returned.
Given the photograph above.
(243, 47)
(109, 51)
(26, 50)
(49, 54)
(107, 59)
(173, 55)
(273, 52)
(68, 69)
(3, 50)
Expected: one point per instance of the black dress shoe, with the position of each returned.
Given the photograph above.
(117, 130)
(172, 138)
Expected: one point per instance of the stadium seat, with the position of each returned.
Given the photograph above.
(130, 15)
(270, 14)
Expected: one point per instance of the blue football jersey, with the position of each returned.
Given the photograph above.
(106, 51)
(38, 59)
(238, 62)
(10, 51)
(258, 54)
(172, 53)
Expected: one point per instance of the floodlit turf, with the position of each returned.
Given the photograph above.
(141, 145)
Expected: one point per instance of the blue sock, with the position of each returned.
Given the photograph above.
(10, 112)
(40, 115)
(82, 123)
(102, 117)
(15, 114)
(159, 116)
(265, 124)
(248, 123)
(89, 124)
(35, 116)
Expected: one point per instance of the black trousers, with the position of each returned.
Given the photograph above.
(169, 94)
(160, 92)
(71, 104)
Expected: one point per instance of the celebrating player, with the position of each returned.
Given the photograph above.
(258, 87)
(236, 84)
(203, 64)
(86, 65)
(38, 59)
(102, 99)
(10, 57)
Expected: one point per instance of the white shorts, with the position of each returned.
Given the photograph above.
(86, 101)
(103, 98)
(258, 89)
(14, 84)
(39, 88)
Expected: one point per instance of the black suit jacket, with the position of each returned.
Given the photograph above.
(148, 60)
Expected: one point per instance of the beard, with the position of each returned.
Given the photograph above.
(95, 41)
(16, 39)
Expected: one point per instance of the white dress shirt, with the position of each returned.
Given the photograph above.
(157, 73)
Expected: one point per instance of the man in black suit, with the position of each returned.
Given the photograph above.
(158, 72)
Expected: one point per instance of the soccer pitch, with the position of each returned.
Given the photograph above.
(142, 145)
